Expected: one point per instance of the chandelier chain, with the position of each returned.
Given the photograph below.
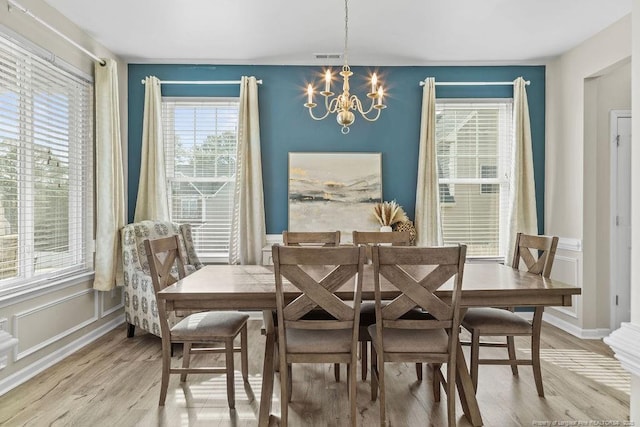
(346, 31)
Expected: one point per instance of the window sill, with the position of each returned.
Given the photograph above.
(24, 292)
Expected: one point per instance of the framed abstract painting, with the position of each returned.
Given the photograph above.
(334, 191)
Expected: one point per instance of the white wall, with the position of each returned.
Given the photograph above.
(635, 205)
(53, 322)
(582, 86)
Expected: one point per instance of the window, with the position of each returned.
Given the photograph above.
(200, 152)
(473, 144)
(46, 181)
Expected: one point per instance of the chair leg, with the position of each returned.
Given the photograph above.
(289, 382)
(186, 359)
(231, 392)
(374, 374)
(535, 350)
(451, 392)
(244, 358)
(383, 412)
(352, 378)
(336, 371)
(435, 383)
(166, 367)
(511, 348)
(130, 330)
(284, 391)
(419, 371)
(475, 352)
(363, 360)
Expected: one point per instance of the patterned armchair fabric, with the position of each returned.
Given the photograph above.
(140, 306)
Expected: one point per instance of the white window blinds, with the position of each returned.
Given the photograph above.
(474, 142)
(46, 181)
(200, 153)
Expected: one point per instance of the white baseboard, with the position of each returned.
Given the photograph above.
(25, 374)
(586, 334)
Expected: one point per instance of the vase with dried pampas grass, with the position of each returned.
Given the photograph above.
(388, 214)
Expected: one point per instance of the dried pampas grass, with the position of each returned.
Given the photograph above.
(389, 213)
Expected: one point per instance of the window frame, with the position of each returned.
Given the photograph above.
(76, 146)
(172, 179)
(503, 171)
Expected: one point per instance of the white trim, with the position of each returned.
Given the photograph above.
(17, 355)
(14, 380)
(625, 343)
(27, 292)
(570, 244)
(587, 334)
(112, 310)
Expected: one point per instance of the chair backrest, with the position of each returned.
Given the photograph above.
(311, 238)
(418, 272)
(318, 273)
(164, 255)
(537, 252)
(369, 238)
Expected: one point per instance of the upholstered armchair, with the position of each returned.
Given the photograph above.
(140, 306)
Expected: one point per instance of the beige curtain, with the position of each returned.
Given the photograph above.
(427, 218)
(152, 200)
(110, 194)
(248, 235)
(522, 197)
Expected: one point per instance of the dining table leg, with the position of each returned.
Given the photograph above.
(268, 371)
(466, 390)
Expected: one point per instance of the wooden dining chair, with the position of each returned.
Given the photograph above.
(538, 253)
(198, 331)
(367, 311)
(417, 272)
(313, 238)
(318, 273)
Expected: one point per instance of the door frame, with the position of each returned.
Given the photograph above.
(614, 115)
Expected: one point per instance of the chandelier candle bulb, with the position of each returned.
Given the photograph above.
(309, 94)
(380, 93)
(327, 81)
(374, 83)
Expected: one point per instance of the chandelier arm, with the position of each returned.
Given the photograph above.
(318, 118)
(330, 107)
(371, 119)
(356, 101)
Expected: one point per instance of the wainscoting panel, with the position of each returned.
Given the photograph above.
(111, 301)
(43, 325)
(566, 269)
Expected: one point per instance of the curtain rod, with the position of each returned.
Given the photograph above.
(47, 25)
(201, 82)
(475, 83)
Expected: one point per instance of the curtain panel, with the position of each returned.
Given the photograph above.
(522, 204)
(152, 202)
(110, 193)
(248, 230)
(427, 213)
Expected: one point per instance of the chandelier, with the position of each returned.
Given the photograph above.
(344, 104)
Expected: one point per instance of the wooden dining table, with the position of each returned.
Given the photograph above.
(252, 287)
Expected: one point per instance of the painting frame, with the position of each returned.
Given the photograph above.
(330, 191)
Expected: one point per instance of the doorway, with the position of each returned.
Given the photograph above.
(620, 252)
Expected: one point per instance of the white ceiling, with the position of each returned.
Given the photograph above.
(393, 32)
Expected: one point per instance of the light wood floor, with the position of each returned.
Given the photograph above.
(115, 382)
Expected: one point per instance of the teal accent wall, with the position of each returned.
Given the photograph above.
(285, 124)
